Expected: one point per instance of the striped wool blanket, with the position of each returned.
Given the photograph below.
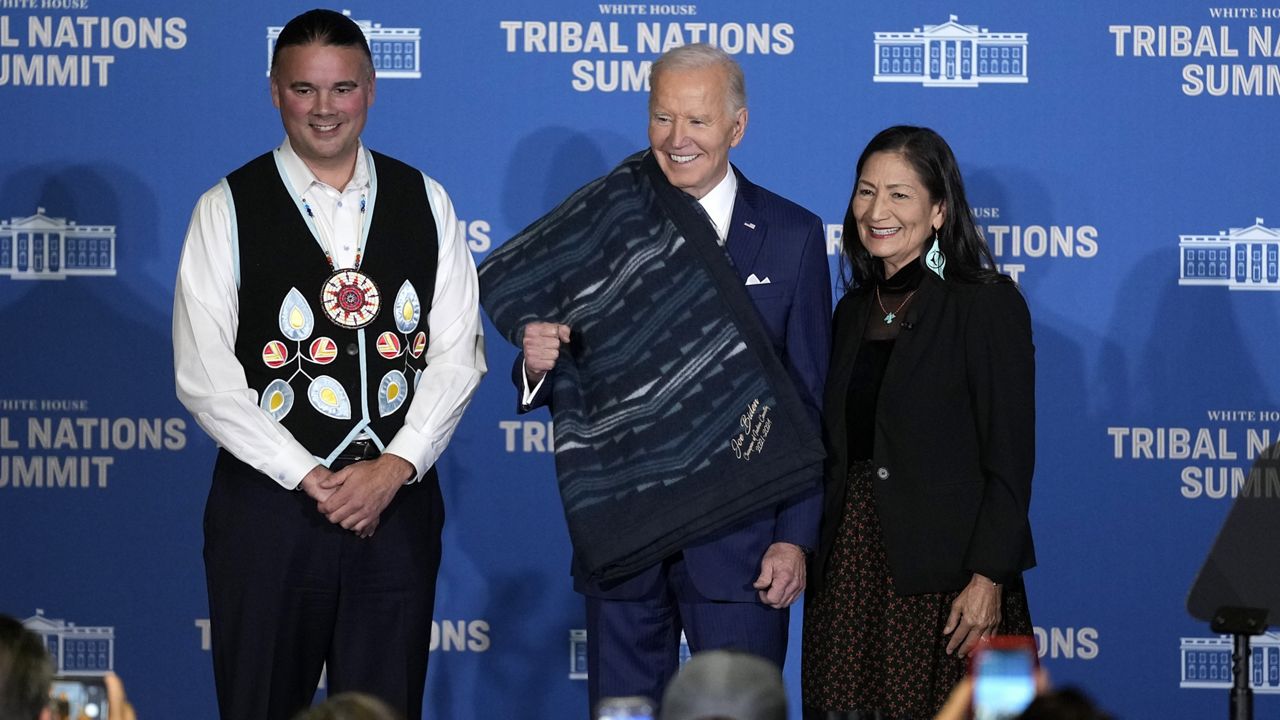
(674, 419)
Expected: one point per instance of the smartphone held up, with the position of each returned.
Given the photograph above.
(79, 697)
(1004, 676)
(625, 708)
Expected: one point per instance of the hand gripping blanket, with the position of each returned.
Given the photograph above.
(674, 419)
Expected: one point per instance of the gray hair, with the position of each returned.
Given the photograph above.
(726, 684)
(701, 55)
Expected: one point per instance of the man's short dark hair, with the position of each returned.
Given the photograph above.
(25, 671)
(322, 27)
(350, 706)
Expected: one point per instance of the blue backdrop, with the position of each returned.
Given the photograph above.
(1120, 159)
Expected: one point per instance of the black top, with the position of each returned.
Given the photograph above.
(895, 295)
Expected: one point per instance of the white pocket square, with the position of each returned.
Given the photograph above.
(753, 280)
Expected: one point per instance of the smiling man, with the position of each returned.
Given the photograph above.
(679, 523)
(327, 336)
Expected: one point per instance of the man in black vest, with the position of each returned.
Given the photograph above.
(327, 336)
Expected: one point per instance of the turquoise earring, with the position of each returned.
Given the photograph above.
(935, 260)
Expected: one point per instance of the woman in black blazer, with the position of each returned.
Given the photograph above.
(929, 419)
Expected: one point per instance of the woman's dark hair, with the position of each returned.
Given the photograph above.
(1063, 704)
(25, 671)
(968, 258)
(324, 27)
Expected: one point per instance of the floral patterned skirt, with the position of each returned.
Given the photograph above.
(869, 652)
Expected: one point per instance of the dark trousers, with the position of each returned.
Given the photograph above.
(633, 646)
(289, 592)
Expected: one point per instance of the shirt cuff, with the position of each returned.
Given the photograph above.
(291, 466)
(418, 451)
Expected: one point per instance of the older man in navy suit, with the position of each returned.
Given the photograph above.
(731, 589)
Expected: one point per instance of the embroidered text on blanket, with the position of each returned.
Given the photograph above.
(755, 424)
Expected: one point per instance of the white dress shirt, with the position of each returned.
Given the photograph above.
(210, 380)
(718, 205)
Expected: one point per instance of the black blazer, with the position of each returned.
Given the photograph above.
(954, 435)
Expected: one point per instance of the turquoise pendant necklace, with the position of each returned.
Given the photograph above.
(889, 317)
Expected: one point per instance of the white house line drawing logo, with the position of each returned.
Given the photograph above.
(39, 247)
(1240, 258)
(396, 51)
(75, 650)
(951, 55)
(1206, 663)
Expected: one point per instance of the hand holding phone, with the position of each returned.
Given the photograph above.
(85, 696)
(1004, 676)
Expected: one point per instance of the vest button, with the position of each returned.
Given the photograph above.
(353, 349)
(882, 473)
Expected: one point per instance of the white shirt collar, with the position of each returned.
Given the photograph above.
(719, 203)
(301, 178)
